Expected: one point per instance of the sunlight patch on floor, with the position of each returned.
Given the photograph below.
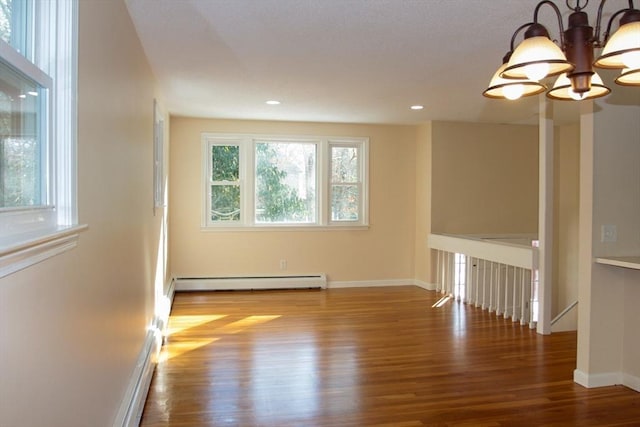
(175, 349)
(179, 324)
(240, 325)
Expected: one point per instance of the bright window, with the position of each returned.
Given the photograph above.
(224, 183)
(37, 130)
(270, 180)
(285, 183)
(346, 182)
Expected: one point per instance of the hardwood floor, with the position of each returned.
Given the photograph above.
(367, 357)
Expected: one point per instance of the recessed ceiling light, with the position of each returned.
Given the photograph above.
(417, 107)
(273, 102)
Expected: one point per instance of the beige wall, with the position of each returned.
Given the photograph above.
(383, 252)
(71, 327)
(484, 178)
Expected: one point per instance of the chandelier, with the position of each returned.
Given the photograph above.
(538, 57)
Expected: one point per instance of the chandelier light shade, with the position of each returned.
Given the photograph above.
(623, 48)
(563, 91)
(511, 89)
(535, 58)
(538, 57)
(629, 77)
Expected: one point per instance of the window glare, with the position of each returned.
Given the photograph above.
(15, 25)
(5, 20)
(344, 164)
(285, 183)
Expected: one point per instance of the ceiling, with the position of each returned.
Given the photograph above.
(358, 61)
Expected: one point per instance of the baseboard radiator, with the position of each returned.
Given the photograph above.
(308, 281)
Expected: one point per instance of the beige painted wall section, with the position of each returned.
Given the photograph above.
(608, 319)
(565, 250)
(72, 327)
(485, 178)
(423, 204)
(383, 252)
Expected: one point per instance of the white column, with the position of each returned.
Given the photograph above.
(545, 215)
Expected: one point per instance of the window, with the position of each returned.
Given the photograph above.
(225, 183)
(287, 181)
(38, 215)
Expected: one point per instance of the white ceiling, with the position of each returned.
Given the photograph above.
(363, 61)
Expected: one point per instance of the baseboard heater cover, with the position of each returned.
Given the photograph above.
(317, 281)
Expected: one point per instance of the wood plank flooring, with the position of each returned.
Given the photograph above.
(367, 357)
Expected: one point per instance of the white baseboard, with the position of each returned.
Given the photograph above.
(132, 405)
(606, 379)
(425, 285)
(369, 283)
(631, 381)
(597, 380)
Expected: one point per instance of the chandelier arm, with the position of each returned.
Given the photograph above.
(608, 32)
(599, 23)
(598, 42)
(558, 15)
(515, 34)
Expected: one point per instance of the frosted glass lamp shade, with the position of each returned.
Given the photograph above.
(629, 77)
(500, 88)
(536, 58)
(623, 48)
(562, 90)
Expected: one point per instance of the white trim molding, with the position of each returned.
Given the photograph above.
(20, 255)
(425, 285)
(631, 381)
(606, 379)
(130, 412)
(369, 283)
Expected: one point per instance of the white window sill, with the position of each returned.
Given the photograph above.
(21, 251)
(285, 228)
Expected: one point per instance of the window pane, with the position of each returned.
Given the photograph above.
(344, 164)
(225, 160)
(345, 202)
(21, 147)
(225, 203)
(285, 183)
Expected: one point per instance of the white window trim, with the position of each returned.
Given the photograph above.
(29, 236)
(247, 142)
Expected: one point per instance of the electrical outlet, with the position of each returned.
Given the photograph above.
(609, 233)
(283, 264)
